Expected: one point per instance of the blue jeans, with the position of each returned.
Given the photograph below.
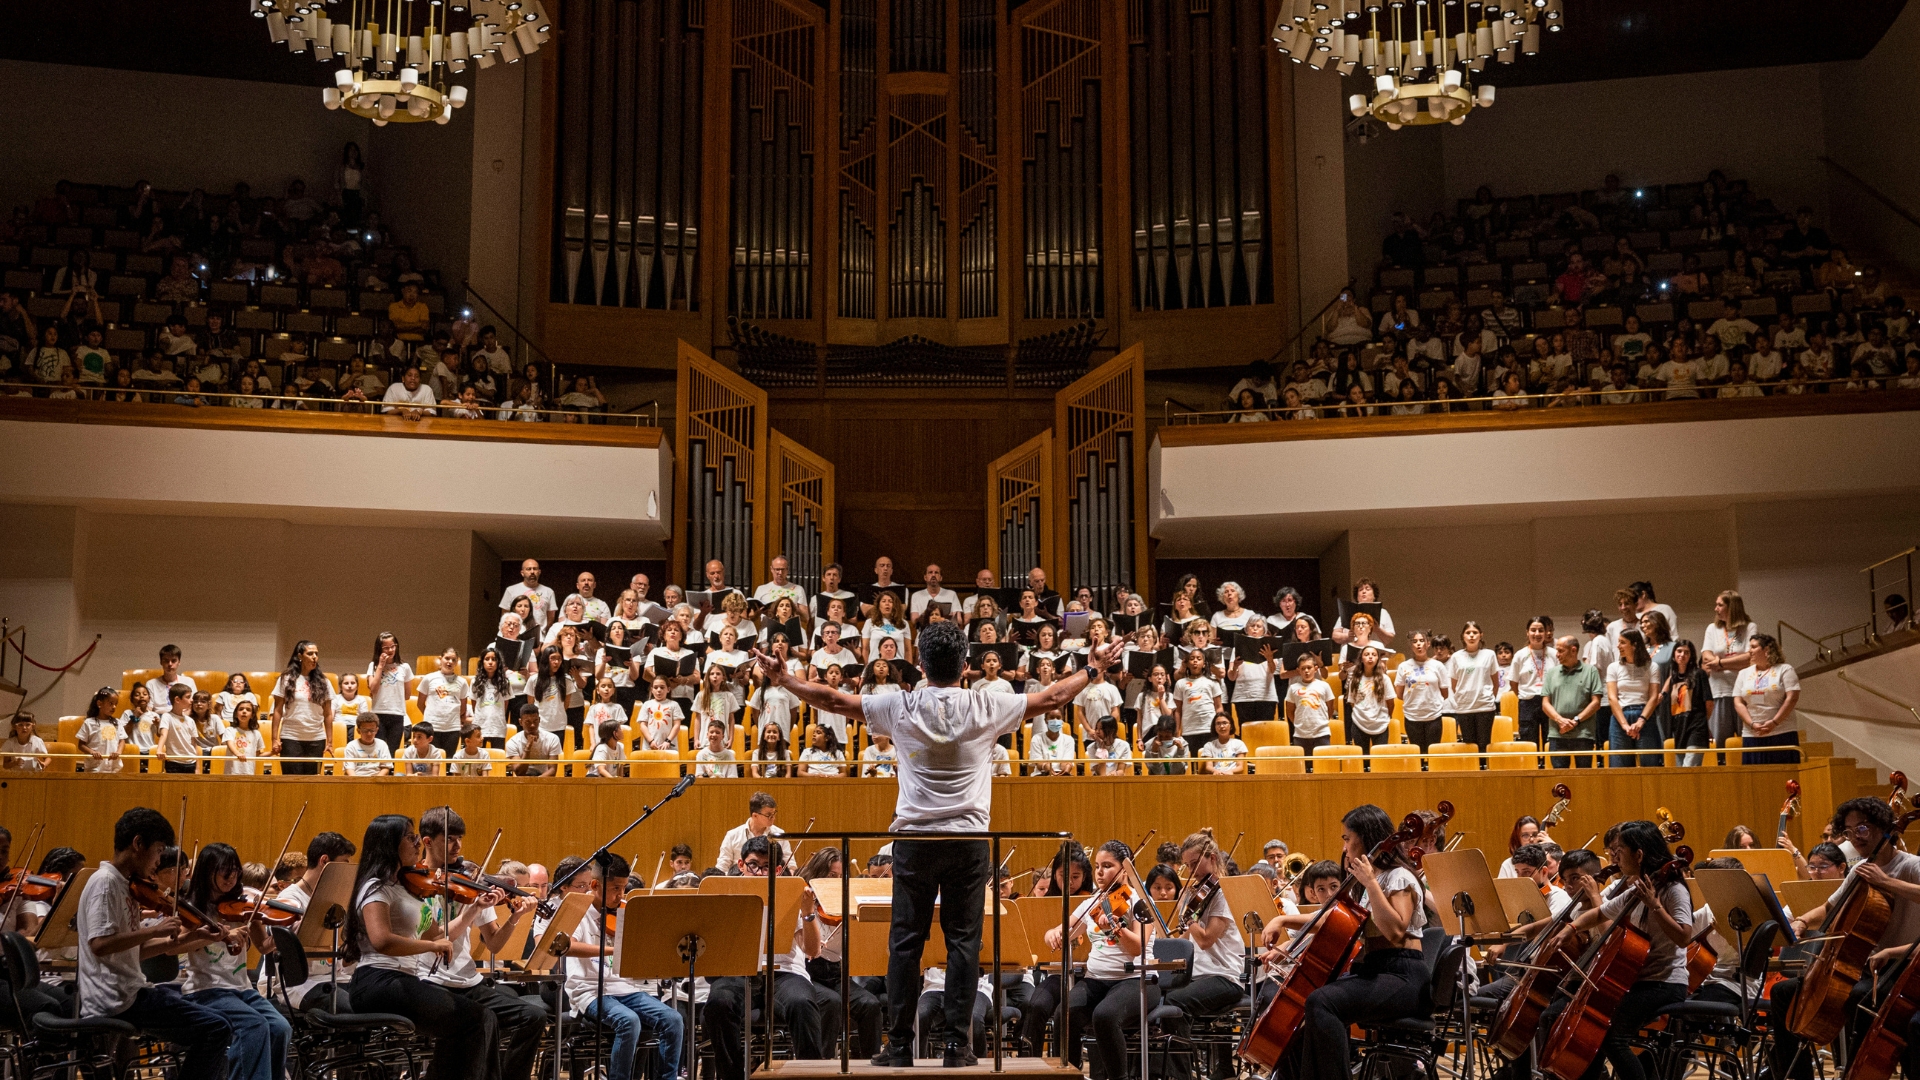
(627, 1016)
(260, 1033)
(1618, 739)
(160, 1011)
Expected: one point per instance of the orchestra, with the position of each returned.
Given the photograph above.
(1572, 986)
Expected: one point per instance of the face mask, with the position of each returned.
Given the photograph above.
(1053, 727)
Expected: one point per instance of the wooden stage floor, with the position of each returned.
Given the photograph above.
(1028, 1068)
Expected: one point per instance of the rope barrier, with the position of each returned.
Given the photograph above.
(63, 668)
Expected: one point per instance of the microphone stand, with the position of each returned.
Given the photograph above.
(600, 858)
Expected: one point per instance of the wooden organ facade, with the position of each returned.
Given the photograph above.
(856, 172)
(1099, 467)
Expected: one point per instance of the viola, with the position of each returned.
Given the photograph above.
(1200, 894)
(1611, 965)
(1856, 917)
(1511, 1035)
(272, 912)
(1324, 946)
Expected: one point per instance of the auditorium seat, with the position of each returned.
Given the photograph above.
(63, 765)
(654, 765)
(214, 681)
(262, 683)
(498, 767)
(68, 728)
(1279, 760)
(1453, 757)
(1338, 758)
(1396, 757)
(133, 678)
(1503, 727)
(422, 665)
(1261, 733)
(1510, 705)
(1500, 746)
(1337, 730)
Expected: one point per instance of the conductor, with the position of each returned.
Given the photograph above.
(945, 735)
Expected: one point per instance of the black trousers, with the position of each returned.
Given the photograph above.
(1476, 728)
(1042, 1002)
(1386, 984)
(301, 748)
(794, 1004)
(1307, 743)
(869, 1012)
(1531, 725)
(1254, 712)
(1208, 995)
(393, 727)
(932, 1012)
(1423, 733)
(521, 1022)
(1113, 1007)
(447, 741)
(922, 871)
(432, 1008)
(1637, 1009)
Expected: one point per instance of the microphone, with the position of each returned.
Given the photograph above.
(680, 788)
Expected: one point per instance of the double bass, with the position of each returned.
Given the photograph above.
(1856, 917)
(1610, 967)
(1325, 945)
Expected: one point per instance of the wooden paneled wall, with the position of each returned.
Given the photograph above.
(545, 820)
(908, 469)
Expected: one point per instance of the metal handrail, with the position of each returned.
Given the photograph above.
(1851, 681)
(1166, 409)
(1879, 196)
(1890, 558)
(511, 325)
(373, 406)
(1312, 322)
(1567, 398)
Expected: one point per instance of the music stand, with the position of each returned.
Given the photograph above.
(1470, 907)
(331, 895)
(685, 932)
(1741, 903)
(1250, 892)
(1806, 895)
(782, 921)
(1773, 862)
(61, 929)
(512, 949)
(1522, 900)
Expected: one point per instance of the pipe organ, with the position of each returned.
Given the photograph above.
(1019, 532)
(1099, 473)
(628, 153)
(801, 492)
(853, 173)
(720, 451)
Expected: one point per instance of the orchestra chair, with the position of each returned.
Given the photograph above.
(328, 1044)
(1416, 1043)
(51, 1045)
(1395, 757)
(67, 729)
(653, 764)
(1278, 760)
(1261, 733)
(1714, 1031)
(66, 765)
(1512, 762)
(1504, 727)
(1453, 757)
(1338, 758)
(215, 681)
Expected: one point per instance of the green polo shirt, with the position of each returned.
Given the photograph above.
(1570, 689)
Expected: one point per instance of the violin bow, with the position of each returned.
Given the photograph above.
(491, 850)
(446, 878)
(654, 881)
(182, 834)
(33, 845)
(794, 853)
(261, 900)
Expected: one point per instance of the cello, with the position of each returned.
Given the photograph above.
(1511, 1034)
(1884, 1046)
(1856, 917)
(1610, 967)
(1322, 948)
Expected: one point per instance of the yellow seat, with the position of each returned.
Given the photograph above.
(1667, 758)
(64, 765)
(1337, 730)
(569, 757)
(1396, 757)
(1516, 762)
(1510, 705)
(1333, 683)
(1453, 757)
(1503, 728)
(1337, 759)
(1397, 726)
(413, 687)
(654, 764)
(220, 759)
(134, 677)
(498, 761)
(414, 716)
(1279, 760)
(261, 683)
(473, 666)
(1261, 733)
(212, 681)
(424, 664)
(68, 728)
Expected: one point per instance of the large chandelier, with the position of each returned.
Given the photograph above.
(398, 57)
(1422, 55)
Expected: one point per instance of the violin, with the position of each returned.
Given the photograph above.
(148, 894)
(426, 883)
(1856, 916)
(40, 888)
(272, 912)
(1322, 948)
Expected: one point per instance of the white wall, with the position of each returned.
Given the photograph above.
(1761, 124)
(495, 114)
(1871, 131)
(1320, 187)
(1865, 725)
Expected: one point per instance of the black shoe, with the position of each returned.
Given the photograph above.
(958, 1056)
(888, 1058)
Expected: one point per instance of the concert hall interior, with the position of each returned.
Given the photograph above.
(1446, 473)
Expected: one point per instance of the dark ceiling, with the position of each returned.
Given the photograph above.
(1605, 39)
